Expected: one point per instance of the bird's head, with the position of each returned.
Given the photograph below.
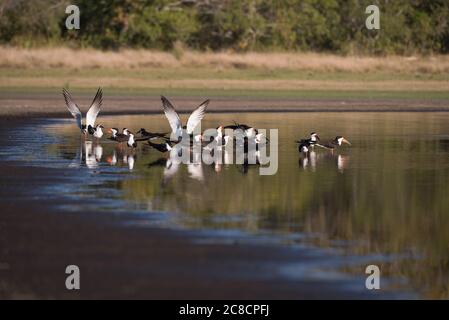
(314, 136)
(339, 140)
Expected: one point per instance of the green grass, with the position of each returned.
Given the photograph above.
(229, 74)
(59, 77)
(262, 94)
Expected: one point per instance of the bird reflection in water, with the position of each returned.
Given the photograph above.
(91, 153)
(311, 159)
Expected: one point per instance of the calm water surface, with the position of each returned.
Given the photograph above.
(385, 196)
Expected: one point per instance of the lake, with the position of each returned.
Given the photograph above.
(383, 200)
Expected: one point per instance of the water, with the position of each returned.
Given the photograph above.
(384, 199)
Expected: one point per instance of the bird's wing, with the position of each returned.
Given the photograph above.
(171, 114)
(73, 107)
(196, 117)
(141, 138)
(94, 109)
(233, 127)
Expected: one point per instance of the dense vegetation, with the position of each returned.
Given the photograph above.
(407, 26)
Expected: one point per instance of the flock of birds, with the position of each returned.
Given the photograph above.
(180, 132)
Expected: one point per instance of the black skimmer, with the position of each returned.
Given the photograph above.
(178, 130)
(117, 136)
(312, 141)
(91, 115)
(131, 142)
(161, 147)
(98, 133)
(253, 144)
(221, 139)
(146, 135)
(333, 144)
(303, 147)
(260, 139)
(248, 131)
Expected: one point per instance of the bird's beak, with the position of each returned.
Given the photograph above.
(109, 130)
(345, 141)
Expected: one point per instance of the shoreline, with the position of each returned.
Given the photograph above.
(18, 106)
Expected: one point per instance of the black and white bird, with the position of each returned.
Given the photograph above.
(98, 133)
(117, 136)
(312, 141)
(131, 142)
(89, 126)
(304, 146)
(161, 147)
(333, 144)
(249, 131)
(221, 139)
(146, 135)
(178, 130)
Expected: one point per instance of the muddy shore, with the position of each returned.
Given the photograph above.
(14, 105)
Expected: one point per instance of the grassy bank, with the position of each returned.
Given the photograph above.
(277, 75)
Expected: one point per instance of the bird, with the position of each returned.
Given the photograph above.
(161, 147)
(333, 144)
(221, 139)
(178, 130)
(248, 131)
(304, 146)
(98, 133)
(260, 139)
(131, 142)
(89, 126)
(117, 136)
(146, 135)
(312, 141)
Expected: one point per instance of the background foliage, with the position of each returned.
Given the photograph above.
(407, 26)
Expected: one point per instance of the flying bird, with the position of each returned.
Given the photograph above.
(178, 130)
(89, 126)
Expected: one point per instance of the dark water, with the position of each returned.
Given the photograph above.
(386, 196)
